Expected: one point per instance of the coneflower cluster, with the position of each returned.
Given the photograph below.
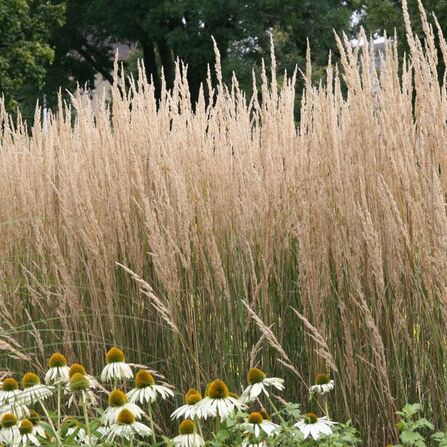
(31, 412)
(71, 386)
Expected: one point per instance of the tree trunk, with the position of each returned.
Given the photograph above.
(150, 66)
(167, 61)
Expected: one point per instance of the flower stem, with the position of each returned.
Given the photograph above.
(87, 422)
(58, 407)
(151, 420)
(199, 427)
(58, 439)
(217, 423)
(275, 409)
(326, 407)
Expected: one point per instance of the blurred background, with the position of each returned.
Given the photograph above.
(47, 45)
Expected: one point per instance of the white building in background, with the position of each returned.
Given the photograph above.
(102, 87)
(379, 48)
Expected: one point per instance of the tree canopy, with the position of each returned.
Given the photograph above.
(379, 16)
(50, 44)
(25, 50)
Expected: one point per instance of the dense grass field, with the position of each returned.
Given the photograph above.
(208, 241)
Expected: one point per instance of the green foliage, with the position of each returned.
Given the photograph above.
(25, 51)
(386, 15)
(234, 432)
(412, 428)
(165, 31)
(344, 435)
(440, 438)
(51, 45)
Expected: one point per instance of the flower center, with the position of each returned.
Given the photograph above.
(117, 398)
(144, 379)
(193, 398)
(191, 391)
(57, 360)
(10, 384)
(30, 379)
(8, 420)
(186, 427)
(255, 375)
(322, 379)
(255, 418)
(115, 355)
(126, 417)
(233, 395)
(310, 418)
(34, 417)
(79, 382)
(217, 390)
(76, 368)
(26, 427)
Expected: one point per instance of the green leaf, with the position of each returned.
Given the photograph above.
(441, 438)
(412, 439)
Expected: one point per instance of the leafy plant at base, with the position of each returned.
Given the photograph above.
(411, 427)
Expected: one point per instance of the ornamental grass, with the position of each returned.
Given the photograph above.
(207, 240)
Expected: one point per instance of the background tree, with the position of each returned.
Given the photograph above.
(81, 51)
(79, 37)
(175, 29)
(25, 51)
(380, 15)
(165, 31)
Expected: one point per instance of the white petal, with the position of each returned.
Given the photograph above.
(256, 390)
(314, 431)
(306, 430)
(325, 429)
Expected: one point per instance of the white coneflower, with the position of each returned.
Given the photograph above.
(257, 424)
(57, 369)
(185, 411)
(9, 397)
(311, 425)
(322, 385)
(78, 368)
(33, 390)
(217, 403)
(118, 401)
(187, 436)
(81, 437)
(146, 390)
(116, 367)
(20, 410)
(79, 387)
(9, 433)
(9, 391)
(27, 433)
(34, 418)
(258, 383)
(127, 427)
